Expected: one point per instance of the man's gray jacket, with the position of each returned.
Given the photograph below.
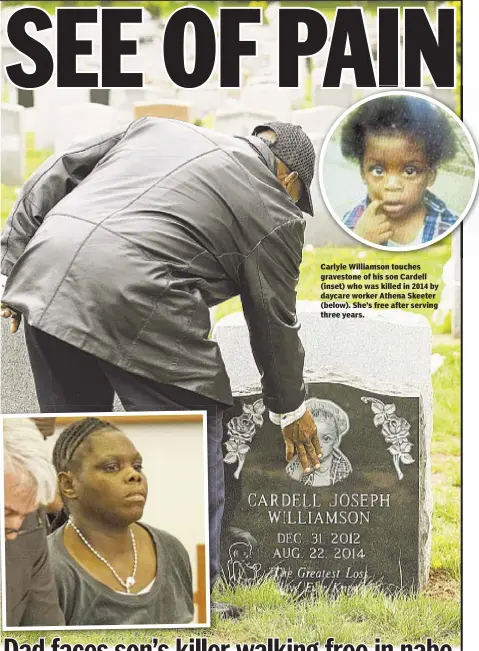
(120, 245)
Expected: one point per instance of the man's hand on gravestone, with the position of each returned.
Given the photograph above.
(302, 437)
(8, 313)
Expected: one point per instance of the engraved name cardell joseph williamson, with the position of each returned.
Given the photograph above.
(313, 500)
(331, 514)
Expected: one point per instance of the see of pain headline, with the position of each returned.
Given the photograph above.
(423, 45)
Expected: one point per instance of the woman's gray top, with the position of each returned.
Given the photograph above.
(86, 601)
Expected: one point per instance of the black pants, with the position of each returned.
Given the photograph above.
(69, 380)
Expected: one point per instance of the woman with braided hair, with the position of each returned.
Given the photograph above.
(109, 568)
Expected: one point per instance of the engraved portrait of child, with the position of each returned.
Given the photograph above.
(332, 424)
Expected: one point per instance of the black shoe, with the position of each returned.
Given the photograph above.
(226, 611)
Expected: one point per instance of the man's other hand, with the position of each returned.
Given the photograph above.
(302, 437)
(8, 313)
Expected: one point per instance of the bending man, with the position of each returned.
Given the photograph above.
(116, 250)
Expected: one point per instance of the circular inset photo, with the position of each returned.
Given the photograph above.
(398, 170)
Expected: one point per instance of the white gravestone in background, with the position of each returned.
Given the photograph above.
(268, 97)
(82, 121)
(204, 100)
(124, 99)
(343, 96)
(43, 119)
(450, 300)
(240, 121)
(13, 144)
(322, 229)
(318, 119)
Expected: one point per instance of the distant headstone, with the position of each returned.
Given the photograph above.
(9, 54)
(263, 95)
(13, 144)
(100, 96)
(365, 515)
(25, 97)
(48, 99)
(318, 119)
(322, 229)
(204, 100)
(11, 94)
(152, 65)
(343, 96)
(124, 99)
(169, 109)
(240, 121)
(89, 119)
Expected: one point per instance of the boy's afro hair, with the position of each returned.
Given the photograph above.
(419, 118)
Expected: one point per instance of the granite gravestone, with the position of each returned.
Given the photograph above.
(239, 121)
(365, 516)
(13, 144)
(100, 96)
(25, 97)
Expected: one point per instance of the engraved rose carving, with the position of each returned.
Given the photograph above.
(241, 430)
(395, 431)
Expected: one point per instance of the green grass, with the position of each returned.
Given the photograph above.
(446, 462)
(361, 616)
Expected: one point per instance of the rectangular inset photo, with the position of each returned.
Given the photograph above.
(105, 521)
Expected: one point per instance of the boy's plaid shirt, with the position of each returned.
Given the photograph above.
(437, 221)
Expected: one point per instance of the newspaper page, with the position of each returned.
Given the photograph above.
(237, 238)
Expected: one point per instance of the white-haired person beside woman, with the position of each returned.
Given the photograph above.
(29, 484)
(109, 568)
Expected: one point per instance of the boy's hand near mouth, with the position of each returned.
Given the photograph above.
(373, 225)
